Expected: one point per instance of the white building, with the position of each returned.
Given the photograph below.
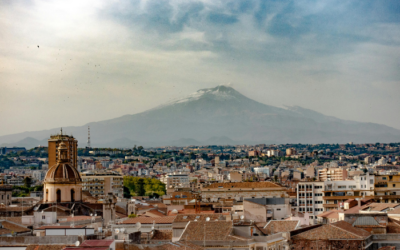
(310, 198)
(263, 170)
(175, 180)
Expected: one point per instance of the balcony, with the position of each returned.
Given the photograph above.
(330, 205)
(387, 197)
(345, 197)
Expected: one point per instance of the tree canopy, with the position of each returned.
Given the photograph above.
(139, 186)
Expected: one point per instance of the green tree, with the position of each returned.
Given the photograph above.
(27, 182)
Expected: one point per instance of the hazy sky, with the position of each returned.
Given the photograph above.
(103, 59)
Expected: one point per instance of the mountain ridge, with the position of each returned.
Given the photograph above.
(222, 112)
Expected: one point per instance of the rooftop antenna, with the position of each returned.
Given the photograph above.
(88, 139)
(61, 131)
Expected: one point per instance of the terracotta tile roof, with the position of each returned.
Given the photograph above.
(150, 220)
(387, 248)
(154, 213)
(199, 217)
(281, 226)
(393, 226)
(4, 231)
(84, 248)
(97, 243)
(394, 211)
(265, 184)
(15, 209)
(46, 247)
(380, 206)
(338, 230)
(17, 220)
(162, 235)
(331, 214)
(119, 209)
(210, 230)
(119, 215)
(14, 227)
(56, 207)
(354, 210)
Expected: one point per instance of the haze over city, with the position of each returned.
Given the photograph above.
(73, 62)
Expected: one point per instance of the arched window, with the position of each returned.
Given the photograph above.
(47, 194)
(72, 195)
(58, 195)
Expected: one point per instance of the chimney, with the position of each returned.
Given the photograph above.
(359, 202)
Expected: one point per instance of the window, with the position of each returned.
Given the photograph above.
(371, 181)
(394, 185)
(352, 186)
(341, 186)
(278, 209)
(384, 178)
(43, 217)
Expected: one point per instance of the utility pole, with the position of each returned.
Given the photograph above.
(88, 140)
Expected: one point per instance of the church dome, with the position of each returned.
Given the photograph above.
(62, 173)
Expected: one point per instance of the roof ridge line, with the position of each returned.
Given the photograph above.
(346, 230)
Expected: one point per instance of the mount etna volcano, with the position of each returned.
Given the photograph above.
(216, 116)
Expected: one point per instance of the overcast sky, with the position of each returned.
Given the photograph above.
(98, 59)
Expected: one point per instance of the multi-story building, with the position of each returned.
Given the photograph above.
(310, 198)
(5, 150)
(387, 188)
(38, 175)
(235, 176)
(5, 194)
(332, 174)
(72, 146)
(337, 192)
(241, 190)
(173, 181)
(263, 170)
(102, 183)
(310, 172)
(290, 151)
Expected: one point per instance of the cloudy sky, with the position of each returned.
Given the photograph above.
(71, 62)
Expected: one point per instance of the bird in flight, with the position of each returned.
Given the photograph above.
(38, 46)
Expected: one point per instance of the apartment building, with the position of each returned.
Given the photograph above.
(332, 174)
(387, 188)
(173, 181)
(102, 183)
(240, 190)
(337, 192)
(262, 170)
(310, 198)
(291, 151)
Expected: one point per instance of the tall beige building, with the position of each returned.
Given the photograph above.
(332, 174)
(290, 151)
(71, 145)
(102, 183)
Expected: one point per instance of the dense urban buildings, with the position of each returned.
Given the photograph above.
(243, 196)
